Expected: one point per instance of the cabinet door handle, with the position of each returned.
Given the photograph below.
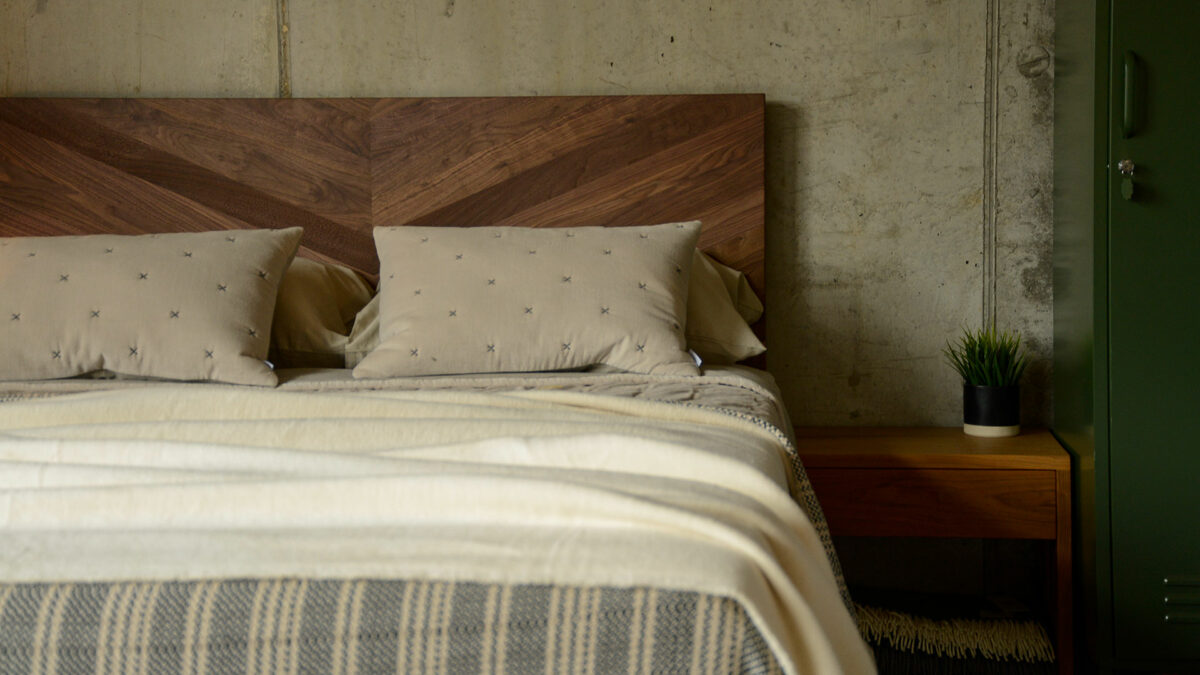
(1126, 167)
(1129, 116)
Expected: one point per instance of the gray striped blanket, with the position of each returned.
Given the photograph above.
(370, 626)
(271, 621)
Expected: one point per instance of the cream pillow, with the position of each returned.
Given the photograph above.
(513, 299)
(716, 329)
(316, 308)
(720, 308)
(187, 306)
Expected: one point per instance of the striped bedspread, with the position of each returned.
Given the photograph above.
(371, 626)
(586, 524)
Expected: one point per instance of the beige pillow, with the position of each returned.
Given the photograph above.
(720, 308)
(745, 300)
(188, 306)
(716, 329)
(364, 335)
(317, 305)
(513, 299)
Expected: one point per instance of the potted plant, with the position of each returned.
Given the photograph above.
(991, 365)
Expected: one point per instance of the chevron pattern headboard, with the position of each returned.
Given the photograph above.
(338, 167)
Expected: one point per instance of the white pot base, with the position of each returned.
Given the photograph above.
(991, 432)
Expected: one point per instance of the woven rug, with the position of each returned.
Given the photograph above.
(933, 635)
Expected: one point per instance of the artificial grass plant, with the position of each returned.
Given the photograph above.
(986, 358)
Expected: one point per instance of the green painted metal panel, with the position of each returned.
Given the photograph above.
(1154, 328)
(1081, 306)
(1127, 279)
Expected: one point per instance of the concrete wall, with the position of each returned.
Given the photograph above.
(908, 140)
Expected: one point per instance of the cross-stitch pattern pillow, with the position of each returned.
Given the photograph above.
(511, 299)
(720, 308)
(186, 306)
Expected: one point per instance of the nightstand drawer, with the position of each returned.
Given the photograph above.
(1010, 504)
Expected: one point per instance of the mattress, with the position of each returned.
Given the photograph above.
(564, 522)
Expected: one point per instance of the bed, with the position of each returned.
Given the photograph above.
(397, 385)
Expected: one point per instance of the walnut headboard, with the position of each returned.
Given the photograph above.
(339, 167)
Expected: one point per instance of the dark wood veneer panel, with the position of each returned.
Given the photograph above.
(1017, 504)
(339, 167)
(50, 190)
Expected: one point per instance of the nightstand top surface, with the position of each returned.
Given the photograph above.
(927, 448)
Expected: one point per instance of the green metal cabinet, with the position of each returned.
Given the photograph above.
(1127, 323)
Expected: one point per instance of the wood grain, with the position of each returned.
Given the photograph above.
(1063, 591)
(939, 482)
(927, 447)
(339, 167)
(937, 502)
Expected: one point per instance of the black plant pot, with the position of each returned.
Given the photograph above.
(992, 411)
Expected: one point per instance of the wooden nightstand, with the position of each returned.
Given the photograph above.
(939, 482)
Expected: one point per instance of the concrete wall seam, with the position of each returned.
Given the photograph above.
(285, 57)
(991, 170)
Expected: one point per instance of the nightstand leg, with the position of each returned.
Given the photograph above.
(1064, 643)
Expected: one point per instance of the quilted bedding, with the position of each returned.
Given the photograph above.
(566, 523)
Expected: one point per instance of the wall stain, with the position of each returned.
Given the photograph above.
(449, 8)
(614, 83)
(1042, 90)
(1033, 60)
(1037, 280)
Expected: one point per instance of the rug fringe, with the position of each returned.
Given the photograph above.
(1003, 640)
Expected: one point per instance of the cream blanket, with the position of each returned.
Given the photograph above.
(178, 482)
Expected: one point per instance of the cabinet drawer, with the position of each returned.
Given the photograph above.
(1006, 504)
